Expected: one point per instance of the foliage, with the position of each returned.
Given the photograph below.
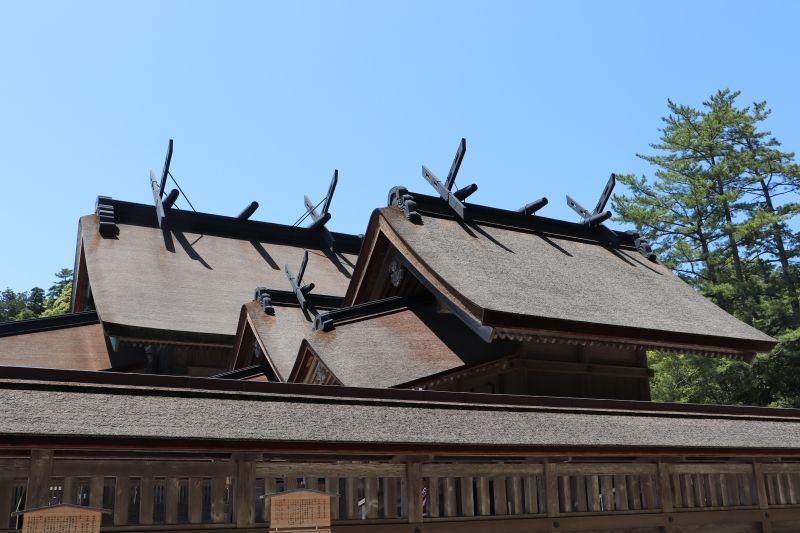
(718, 211)
(36, 303)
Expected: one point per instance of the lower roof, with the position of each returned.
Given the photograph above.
(74, 341)
(188, 413)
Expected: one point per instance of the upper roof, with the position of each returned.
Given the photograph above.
(195, 277)
(511, 275)
(185, 413)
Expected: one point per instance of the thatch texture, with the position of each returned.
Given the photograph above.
(78, 348)
(567, 284)
(95, 411)
(201, 285)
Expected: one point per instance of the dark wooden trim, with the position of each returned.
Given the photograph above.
(34, 325)
(233, 227)
(160, 444)
(500, 319)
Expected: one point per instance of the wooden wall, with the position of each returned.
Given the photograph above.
(163, 493)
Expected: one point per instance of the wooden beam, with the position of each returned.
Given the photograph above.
(414, 492)
(121, 496)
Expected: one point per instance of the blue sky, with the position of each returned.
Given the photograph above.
(265, 99)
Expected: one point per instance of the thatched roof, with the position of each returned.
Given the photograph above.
(197, 277)
(515, 276)
(69, 342)
(191, 412)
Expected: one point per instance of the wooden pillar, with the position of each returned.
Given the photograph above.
(218, 499)
(433, 497)
(351, 495)
(551, 489)
(467, 497)
(450, 508)
(500, 495)
(332, 488)
(146, 499)
(96, 485)
(763, 503)
(196, 500)
(246, 490)
(171, 497)
(413, 496)
(68, 491)
(371, 497)
(41, 466)
(121, 495)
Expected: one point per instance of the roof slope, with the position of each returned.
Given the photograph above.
(320, 419)
(54, 343)
(399, 347)
(518, 277)
(200, 286)
(381, 350)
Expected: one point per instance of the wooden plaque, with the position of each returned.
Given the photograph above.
(62, 519)
(300, 509)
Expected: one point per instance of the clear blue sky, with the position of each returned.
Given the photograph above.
(265, 99)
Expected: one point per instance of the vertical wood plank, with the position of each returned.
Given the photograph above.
(467, 497)
(634, 492)
(516, 495)
(621, 492)
(41, 465)
(414, 487)
(761, 489)
(593, 493)
(733, 489)
(688, 490)
(649, 493)
(779, 485)
(531, 495)
(371, 497)
(171, 497)
(218, 499)
(351, 493)
(245, 490)
(564, 494)
(483, 496)
(450, 508)
(121, 495)
(699, 494)
(390, 497)
(713, 490)
(580, 493)
(331, 487)
(5, 502)
(551, 489)
(146, 500)
(607, 493)
(433, 497)
(196, 500)
(96, 492)
(724, 493)
(664, 488)
(500, 495)
(790, 489)
(746, 481)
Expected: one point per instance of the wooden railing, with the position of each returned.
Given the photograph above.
(234, 491)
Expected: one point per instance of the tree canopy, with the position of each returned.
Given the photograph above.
(35, 302)
(718, 211)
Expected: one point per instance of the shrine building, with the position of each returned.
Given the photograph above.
(457, 367)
